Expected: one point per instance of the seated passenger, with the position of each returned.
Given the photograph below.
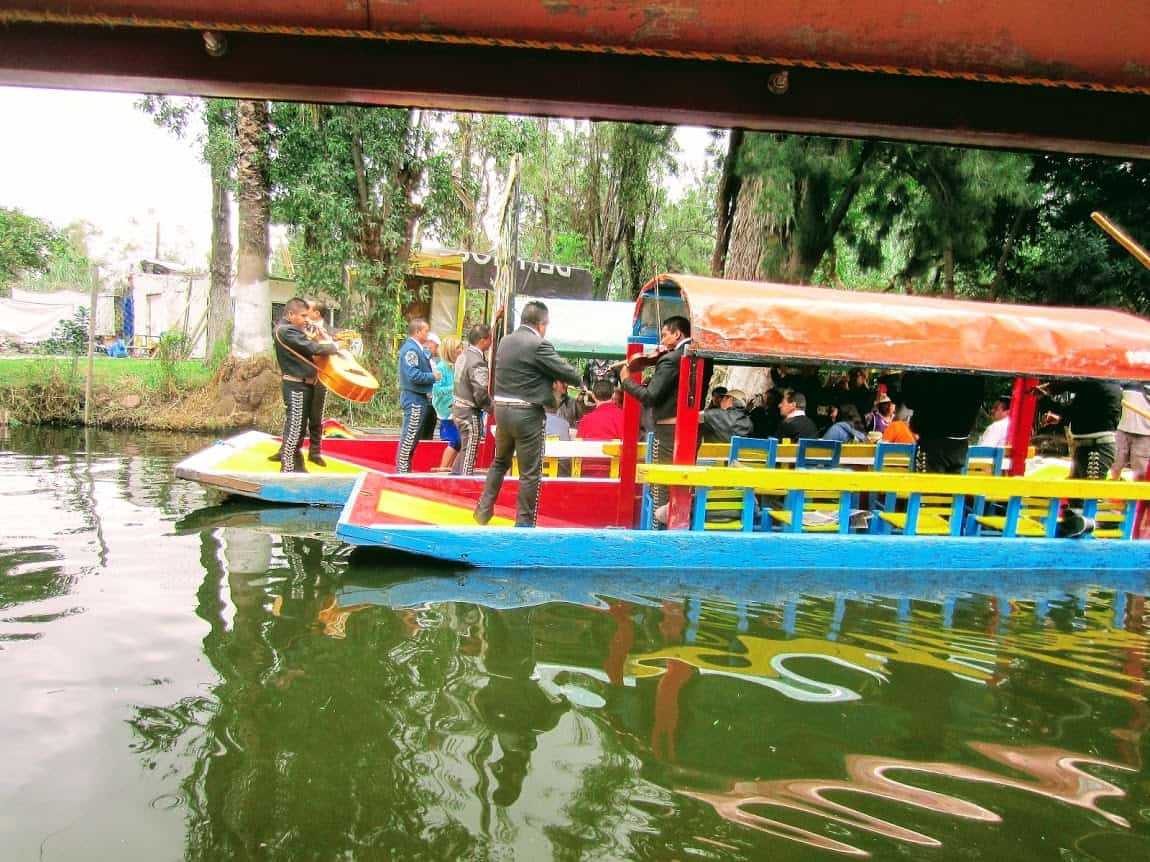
(848, 425)
(766, 416)
(729, 419)
(898, 431)
(882, 415)
(556, 427)
(716, 398)
(997, 433)
(796, 424)
(604, 422)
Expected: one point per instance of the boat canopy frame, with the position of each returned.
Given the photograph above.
(766, 323)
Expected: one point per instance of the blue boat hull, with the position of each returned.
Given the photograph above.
(628, 550)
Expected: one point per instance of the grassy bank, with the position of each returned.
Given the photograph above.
(143, 374)
(161, 395)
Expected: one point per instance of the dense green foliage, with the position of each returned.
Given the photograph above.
(35, 254)
(360, 188)
(70, 337)
(931, 219)
(345, 181)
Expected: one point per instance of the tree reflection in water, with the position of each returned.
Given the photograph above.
(344, 728)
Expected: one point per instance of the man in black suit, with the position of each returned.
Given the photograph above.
(660, 395)
(796, 423)
(526, 368)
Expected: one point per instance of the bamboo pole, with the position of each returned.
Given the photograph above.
(1122, 238)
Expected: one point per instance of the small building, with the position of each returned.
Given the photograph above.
(165, 298)
(453, 289)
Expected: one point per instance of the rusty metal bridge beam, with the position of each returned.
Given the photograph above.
(569, 84)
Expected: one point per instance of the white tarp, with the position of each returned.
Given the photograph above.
(32, 316)
(586, 327)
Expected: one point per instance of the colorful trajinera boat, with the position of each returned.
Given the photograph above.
(785, 516)
(241, 465)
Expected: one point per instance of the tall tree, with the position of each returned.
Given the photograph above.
(220, 153)
(218, 149)
(612, 175)
(353, 184)
(479, 147)
(252, 328)
(728, 196)
(943, 202)
(793, 195)
(1062, 256)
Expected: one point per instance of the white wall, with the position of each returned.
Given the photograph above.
(165, 302)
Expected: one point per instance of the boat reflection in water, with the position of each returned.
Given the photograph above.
(1053, 773)
(465, 714)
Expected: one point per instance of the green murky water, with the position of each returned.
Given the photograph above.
(186, 680)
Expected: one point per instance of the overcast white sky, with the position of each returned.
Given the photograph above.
(67, 156)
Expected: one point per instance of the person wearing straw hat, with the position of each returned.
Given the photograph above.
(882, 414)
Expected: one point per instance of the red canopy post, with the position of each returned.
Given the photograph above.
(1023, 405)
(628, 453)
(686, 435)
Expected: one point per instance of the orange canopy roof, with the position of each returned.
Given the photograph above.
(763, 322)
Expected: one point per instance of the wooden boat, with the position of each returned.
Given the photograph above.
(240, 465)
(913, 520)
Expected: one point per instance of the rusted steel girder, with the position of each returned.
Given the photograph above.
(1103, 43)
(570, 83)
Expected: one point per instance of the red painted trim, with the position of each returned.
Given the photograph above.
(1023, 405)
(561, 503)
(686, 435)
(629, 452)
(379, 454)
(486, 453)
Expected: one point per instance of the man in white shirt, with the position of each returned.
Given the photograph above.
(1133, 435)
(997, 433)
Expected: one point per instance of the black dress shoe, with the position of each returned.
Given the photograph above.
(277, 457)
(1072, 526)
(317, 459)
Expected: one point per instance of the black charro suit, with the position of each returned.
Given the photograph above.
(660, 394)
(526, 368)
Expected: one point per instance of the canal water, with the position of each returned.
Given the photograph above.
(185, 678)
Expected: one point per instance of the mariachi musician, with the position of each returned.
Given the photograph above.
(317, 331)
(660, 394)
(294, 349)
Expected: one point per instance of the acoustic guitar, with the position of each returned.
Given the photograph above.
(342, 374)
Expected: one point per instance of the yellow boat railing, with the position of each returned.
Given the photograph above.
(908, 503)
